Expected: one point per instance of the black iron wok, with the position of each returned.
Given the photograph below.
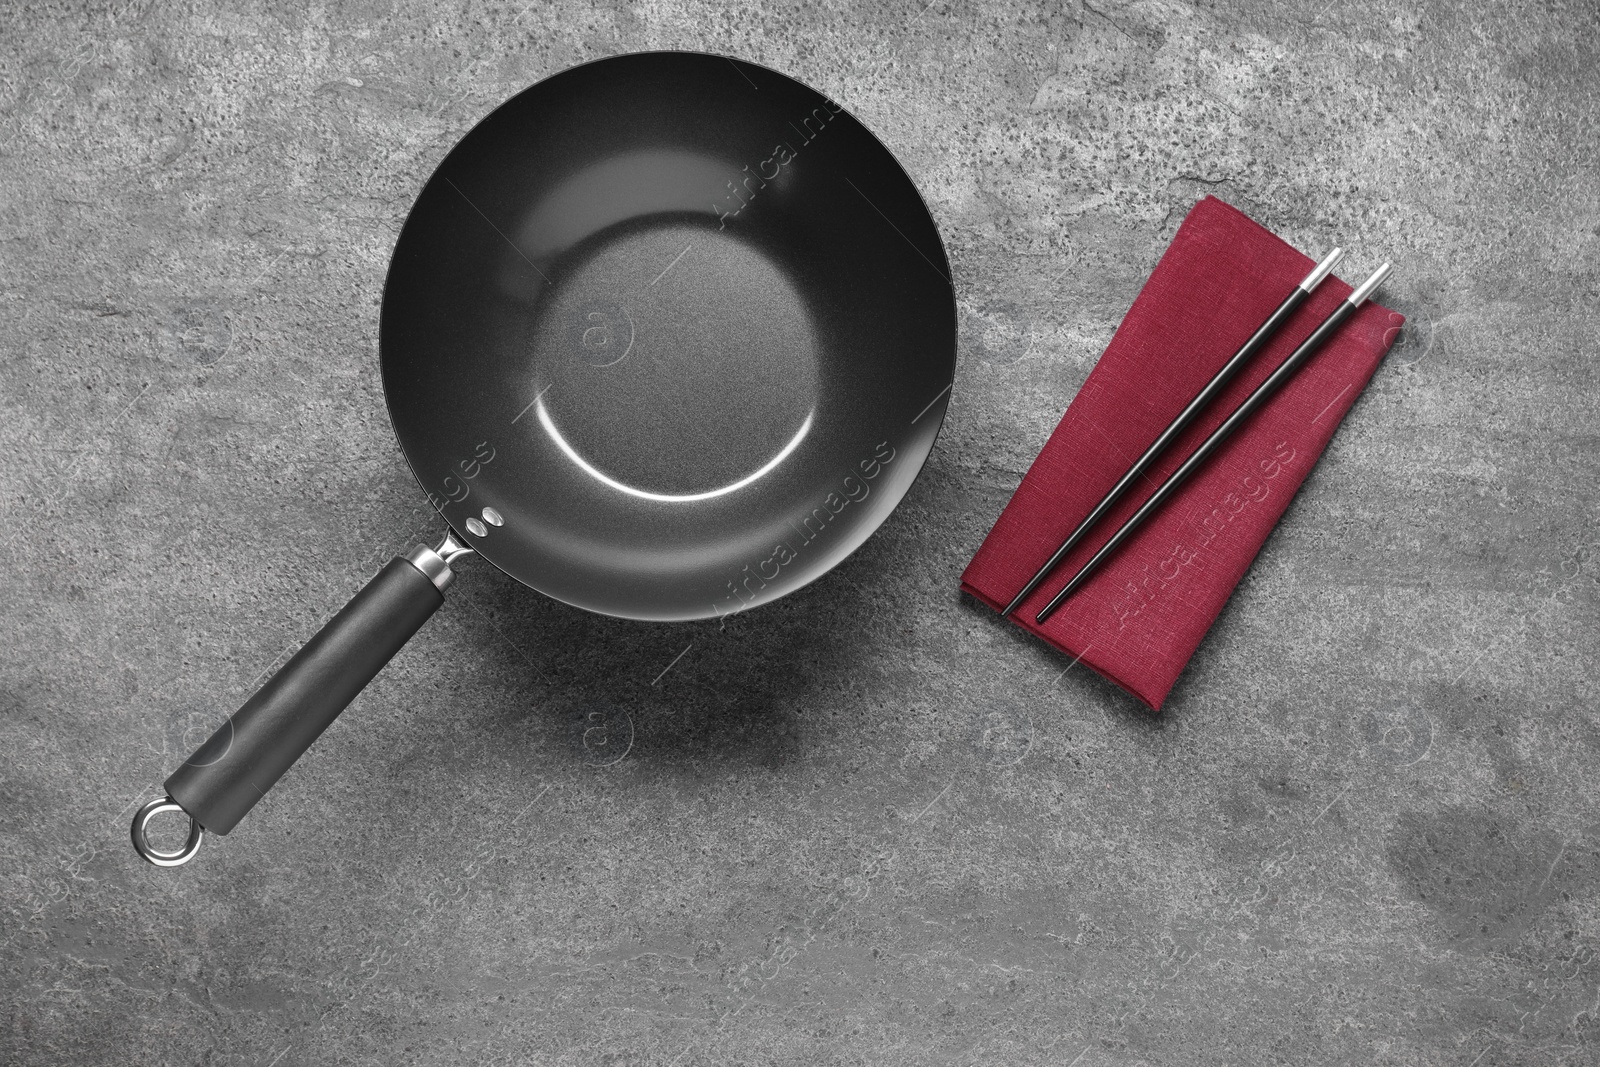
(666, 337)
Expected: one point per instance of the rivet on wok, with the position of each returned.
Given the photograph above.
(492, 517)
(476, 528)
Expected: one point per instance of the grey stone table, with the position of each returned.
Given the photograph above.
(869, 824)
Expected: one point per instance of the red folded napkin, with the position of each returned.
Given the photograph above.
(1140, 618)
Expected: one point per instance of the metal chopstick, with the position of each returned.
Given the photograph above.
(1254, 401)
(1263, 334)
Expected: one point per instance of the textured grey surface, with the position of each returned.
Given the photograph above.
(869, 824)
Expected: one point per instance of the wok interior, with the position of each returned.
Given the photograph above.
(684, 326)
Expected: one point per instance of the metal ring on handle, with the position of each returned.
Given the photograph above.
(141, 842)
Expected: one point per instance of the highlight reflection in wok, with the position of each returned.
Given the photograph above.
(667, 498)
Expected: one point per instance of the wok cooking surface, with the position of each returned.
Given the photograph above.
(682, 326)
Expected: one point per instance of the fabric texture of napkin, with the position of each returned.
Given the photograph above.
(1140, 618)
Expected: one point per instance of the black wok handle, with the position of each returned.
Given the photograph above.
(247, 755)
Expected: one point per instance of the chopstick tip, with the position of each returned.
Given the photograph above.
(1322, 270)
(1365, 289)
